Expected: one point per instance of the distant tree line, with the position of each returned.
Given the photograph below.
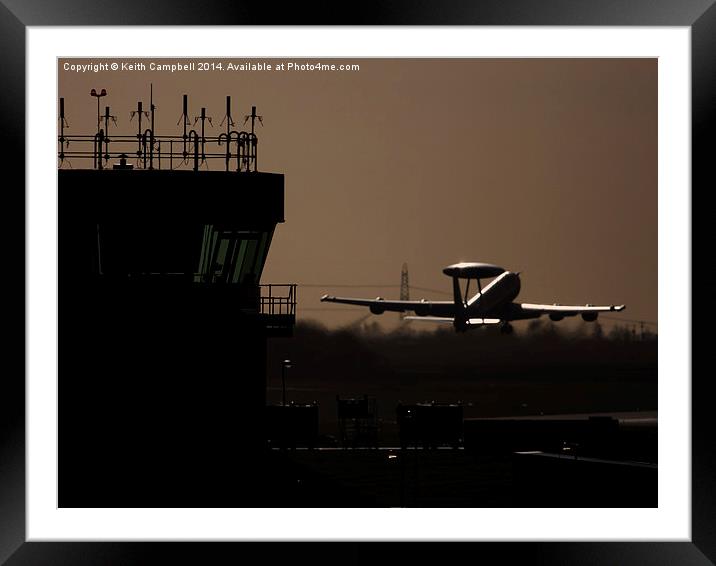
(540, 347)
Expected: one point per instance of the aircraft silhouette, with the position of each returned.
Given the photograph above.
(491, 305)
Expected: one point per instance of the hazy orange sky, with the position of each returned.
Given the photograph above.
(544, 166)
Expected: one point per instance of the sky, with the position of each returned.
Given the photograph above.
(543, 166)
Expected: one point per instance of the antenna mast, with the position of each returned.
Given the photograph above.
(404, 287)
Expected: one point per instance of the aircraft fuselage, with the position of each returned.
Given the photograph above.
(495, 301)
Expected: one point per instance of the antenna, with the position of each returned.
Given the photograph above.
(404, 287)
(229, 124)
(63, 122)
(184, 113)
(98, 95)
(203, 117)
(152, 108)
(227, 117)
(139, 113)
(107, 117)
(63, 125)
(253, 117)
(184, 118)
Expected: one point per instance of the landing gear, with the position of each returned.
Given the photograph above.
(506, 328)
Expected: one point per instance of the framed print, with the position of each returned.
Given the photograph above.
(189, 397)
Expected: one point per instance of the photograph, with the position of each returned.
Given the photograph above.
(373, 282)
(400, 282)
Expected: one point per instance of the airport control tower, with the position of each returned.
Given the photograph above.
(163, 317)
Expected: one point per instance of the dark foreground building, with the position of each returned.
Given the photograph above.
(162, 335)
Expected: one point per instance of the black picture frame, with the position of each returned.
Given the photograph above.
(698, 15)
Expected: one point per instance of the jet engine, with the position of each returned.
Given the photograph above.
(422, 310)
(377, 309)
(556, 317)
(590, 316)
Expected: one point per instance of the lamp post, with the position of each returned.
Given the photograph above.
(99, 95)
(284, 366)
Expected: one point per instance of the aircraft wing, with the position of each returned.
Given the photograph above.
(382, 304)
(447, 319)
(569, 310)
(470, 322)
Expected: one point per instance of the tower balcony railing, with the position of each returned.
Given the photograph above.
(277, 308)
(277, 299)
(238, 150)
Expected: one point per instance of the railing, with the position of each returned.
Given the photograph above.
(278, 299)
(148, 151)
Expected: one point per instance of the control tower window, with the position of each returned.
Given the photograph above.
(194, 253)
(232, 256)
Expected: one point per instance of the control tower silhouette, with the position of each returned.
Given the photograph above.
(163, 320)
